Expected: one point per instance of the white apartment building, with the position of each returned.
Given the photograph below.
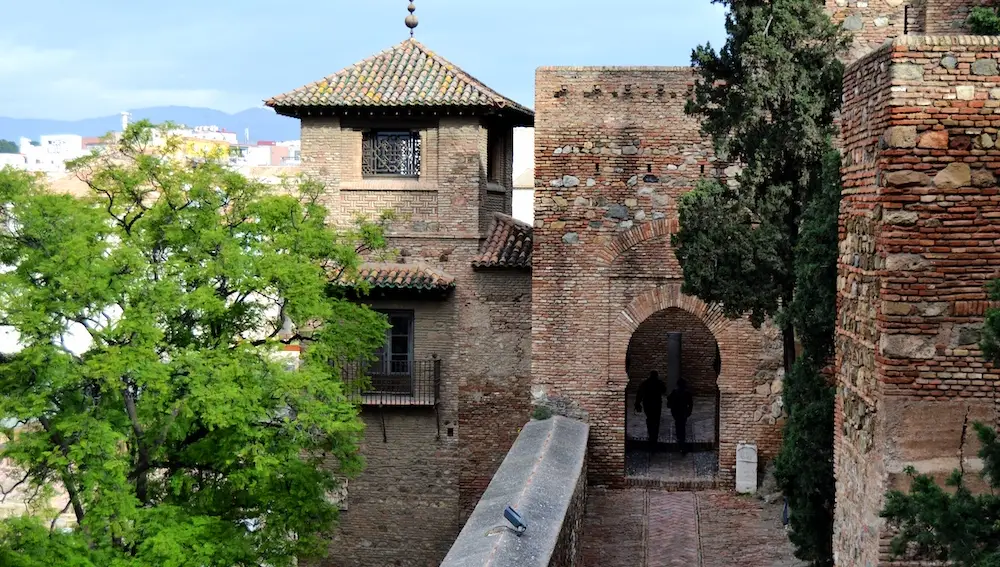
(17, 161)
(51, 152)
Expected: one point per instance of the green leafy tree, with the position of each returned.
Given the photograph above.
(8, 147)
(766, 245)
(804, 467)
(985, 20)
(954, 524)
(179, 435)
(767, 99)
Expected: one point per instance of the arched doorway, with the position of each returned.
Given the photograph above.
(677, 345)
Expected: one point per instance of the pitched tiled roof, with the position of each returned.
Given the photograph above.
(407, 74)
(507, 246)
(405, 276)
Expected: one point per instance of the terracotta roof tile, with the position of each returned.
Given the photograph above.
(405, 276)
(407, 74)
(507, 246)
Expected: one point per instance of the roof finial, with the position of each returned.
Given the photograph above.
(411, 20)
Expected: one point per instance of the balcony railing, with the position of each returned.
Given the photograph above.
(394, 383)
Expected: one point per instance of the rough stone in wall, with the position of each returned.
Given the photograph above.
(919, 227)
(614, 152)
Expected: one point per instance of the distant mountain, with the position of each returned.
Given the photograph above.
(263, 123)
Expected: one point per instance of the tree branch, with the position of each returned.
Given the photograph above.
(142, 465)
(6, 492)
(74, 496)
(52, 526)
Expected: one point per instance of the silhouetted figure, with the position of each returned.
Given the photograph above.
(650, 396)
(681, 404)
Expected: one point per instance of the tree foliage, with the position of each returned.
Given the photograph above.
(955, 524)
(8, 147)
(766, 245)
(767, 99)
(985, 20)
(179, 435)
(804, 467)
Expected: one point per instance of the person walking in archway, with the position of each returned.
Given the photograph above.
(650, 396)
(681, 404)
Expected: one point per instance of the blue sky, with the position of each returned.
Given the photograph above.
(72, 59)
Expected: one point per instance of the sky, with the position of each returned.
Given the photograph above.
(69, 60)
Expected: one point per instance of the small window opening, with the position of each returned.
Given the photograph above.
(494, 156)
(390, 153)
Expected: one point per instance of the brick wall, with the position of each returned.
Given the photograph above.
(494, 398)
(613, 153)
(647, 350)
(918, 243)
(871, 22)
(451, 195)
(424, 471)
(948, 17)
(403, 509)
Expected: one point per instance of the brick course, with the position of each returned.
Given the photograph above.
(919, 232)
(613, 153)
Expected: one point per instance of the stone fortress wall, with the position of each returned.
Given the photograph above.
(614, 152)
(920, 224)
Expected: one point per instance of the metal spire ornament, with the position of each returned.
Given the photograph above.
(411, 20)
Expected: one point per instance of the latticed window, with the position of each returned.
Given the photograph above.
(391, 153)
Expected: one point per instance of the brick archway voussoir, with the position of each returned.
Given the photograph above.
(664, 297)
(633, 237)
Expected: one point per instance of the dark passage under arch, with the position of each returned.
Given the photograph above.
(676, 344)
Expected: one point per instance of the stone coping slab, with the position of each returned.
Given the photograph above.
(537, 478)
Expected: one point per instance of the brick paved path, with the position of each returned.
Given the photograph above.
(652, 528)
(672, 529)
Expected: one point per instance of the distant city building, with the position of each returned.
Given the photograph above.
(51, 152)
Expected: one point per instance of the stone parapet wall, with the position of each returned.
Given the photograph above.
(919, 227)
(543, 477)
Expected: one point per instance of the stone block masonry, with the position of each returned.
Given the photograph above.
(919, 235)
(614, 152)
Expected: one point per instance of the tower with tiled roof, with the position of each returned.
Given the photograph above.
(408, 131)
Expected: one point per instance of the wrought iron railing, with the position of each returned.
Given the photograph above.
(394, 383)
